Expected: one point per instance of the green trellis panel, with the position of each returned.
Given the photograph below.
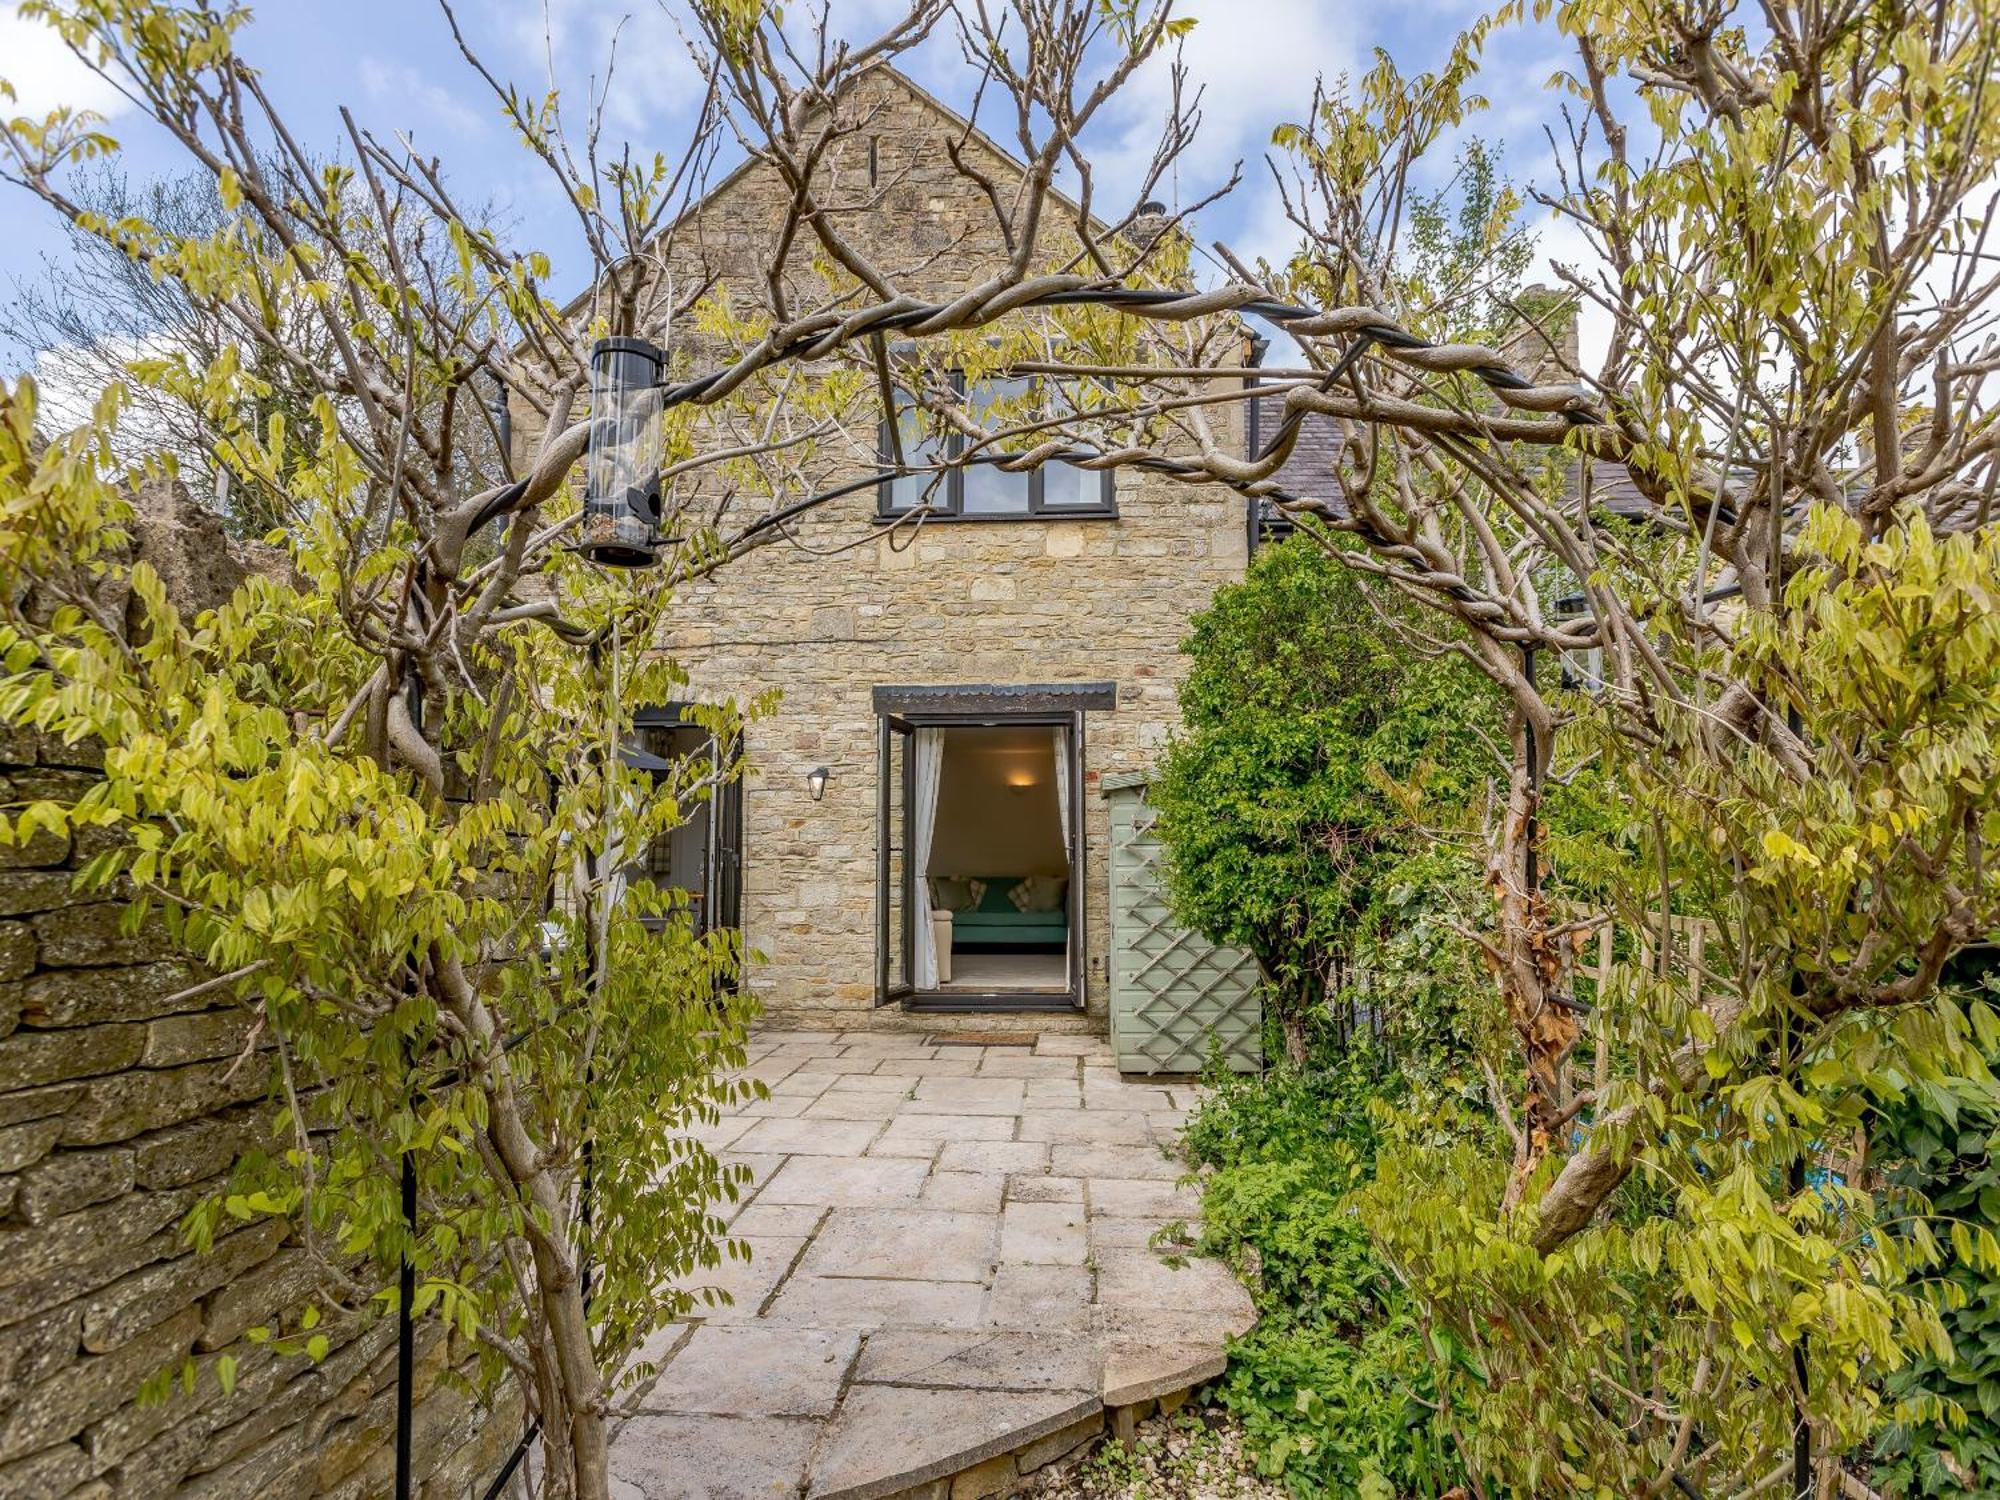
(1171, 992)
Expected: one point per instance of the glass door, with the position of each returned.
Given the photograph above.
(894, 894)
(723, 906)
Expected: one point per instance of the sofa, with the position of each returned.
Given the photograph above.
(994, 922)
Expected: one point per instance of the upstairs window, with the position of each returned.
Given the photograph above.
(984, 492)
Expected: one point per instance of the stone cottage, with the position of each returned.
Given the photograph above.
(922, 827)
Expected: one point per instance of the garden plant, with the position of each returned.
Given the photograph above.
(1622, 1236)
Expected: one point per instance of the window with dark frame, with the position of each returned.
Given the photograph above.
(983, 492)
(702, 856)
(674, 858)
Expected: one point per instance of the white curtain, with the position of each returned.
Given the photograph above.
(1062, 812)
(929, 766)
(1062, 788)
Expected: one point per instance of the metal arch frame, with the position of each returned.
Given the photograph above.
(1164, 302)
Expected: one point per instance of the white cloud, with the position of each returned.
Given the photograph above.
(1255, 66)
(402, 85)
(71, 380)
(46, 75)
(1255, 60)
(653, 84)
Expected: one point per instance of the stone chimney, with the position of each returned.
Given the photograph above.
(1546, 352)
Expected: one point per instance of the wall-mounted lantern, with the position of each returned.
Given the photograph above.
(621, 494)
(816, 782)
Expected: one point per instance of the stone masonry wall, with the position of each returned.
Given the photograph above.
(122, 1103)
(1001, 601)
(1016, 602)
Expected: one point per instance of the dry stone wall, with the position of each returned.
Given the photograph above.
(124, 1101)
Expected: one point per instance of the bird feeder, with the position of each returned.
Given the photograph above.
(621, 496)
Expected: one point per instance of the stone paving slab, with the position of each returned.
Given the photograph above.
(754, 1370)
(912, 1244)
(981, 1361)
(889, 1438)
(666, 1456)
(950, 1258)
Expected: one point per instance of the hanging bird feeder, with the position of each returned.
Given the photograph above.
(621, 496)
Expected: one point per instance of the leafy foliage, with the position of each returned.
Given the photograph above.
(1297, 804)
(1659, 1265)
(1938, 1150)
(1742, 1240)
(467, 980)
(1332, 1383)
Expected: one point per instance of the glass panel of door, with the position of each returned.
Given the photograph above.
(893, 948)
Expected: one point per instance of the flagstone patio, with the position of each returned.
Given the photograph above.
(950, 1272)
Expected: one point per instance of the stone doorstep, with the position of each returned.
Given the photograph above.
(848, 1023)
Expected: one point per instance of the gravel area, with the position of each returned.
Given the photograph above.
(1190, 1454)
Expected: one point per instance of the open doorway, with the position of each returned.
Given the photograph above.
(980, 873)
(999, 869)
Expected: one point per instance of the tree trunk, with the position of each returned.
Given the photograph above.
(1297, 1051)
(571, 1386)
(1295, 997)
(560, 1292)
(1528, 962)
(572, 1393)
(1594, 1173)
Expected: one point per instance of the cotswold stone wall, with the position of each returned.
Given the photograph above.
(123, 1101)
(1002, 601)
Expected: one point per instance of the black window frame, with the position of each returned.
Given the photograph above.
(947, 502)
(719, 902)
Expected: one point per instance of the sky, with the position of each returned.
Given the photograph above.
(394, 64)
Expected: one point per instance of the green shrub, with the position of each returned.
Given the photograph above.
(1330, 1414)
(1332, 1384)
(1312, 1256)
(1304, 790)
(1319, 1113)
(1942, 1146)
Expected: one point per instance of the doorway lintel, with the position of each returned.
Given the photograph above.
(1007, 699)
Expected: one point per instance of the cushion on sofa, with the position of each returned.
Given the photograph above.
(1039, 893)
(956, 892)
(997, 921)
